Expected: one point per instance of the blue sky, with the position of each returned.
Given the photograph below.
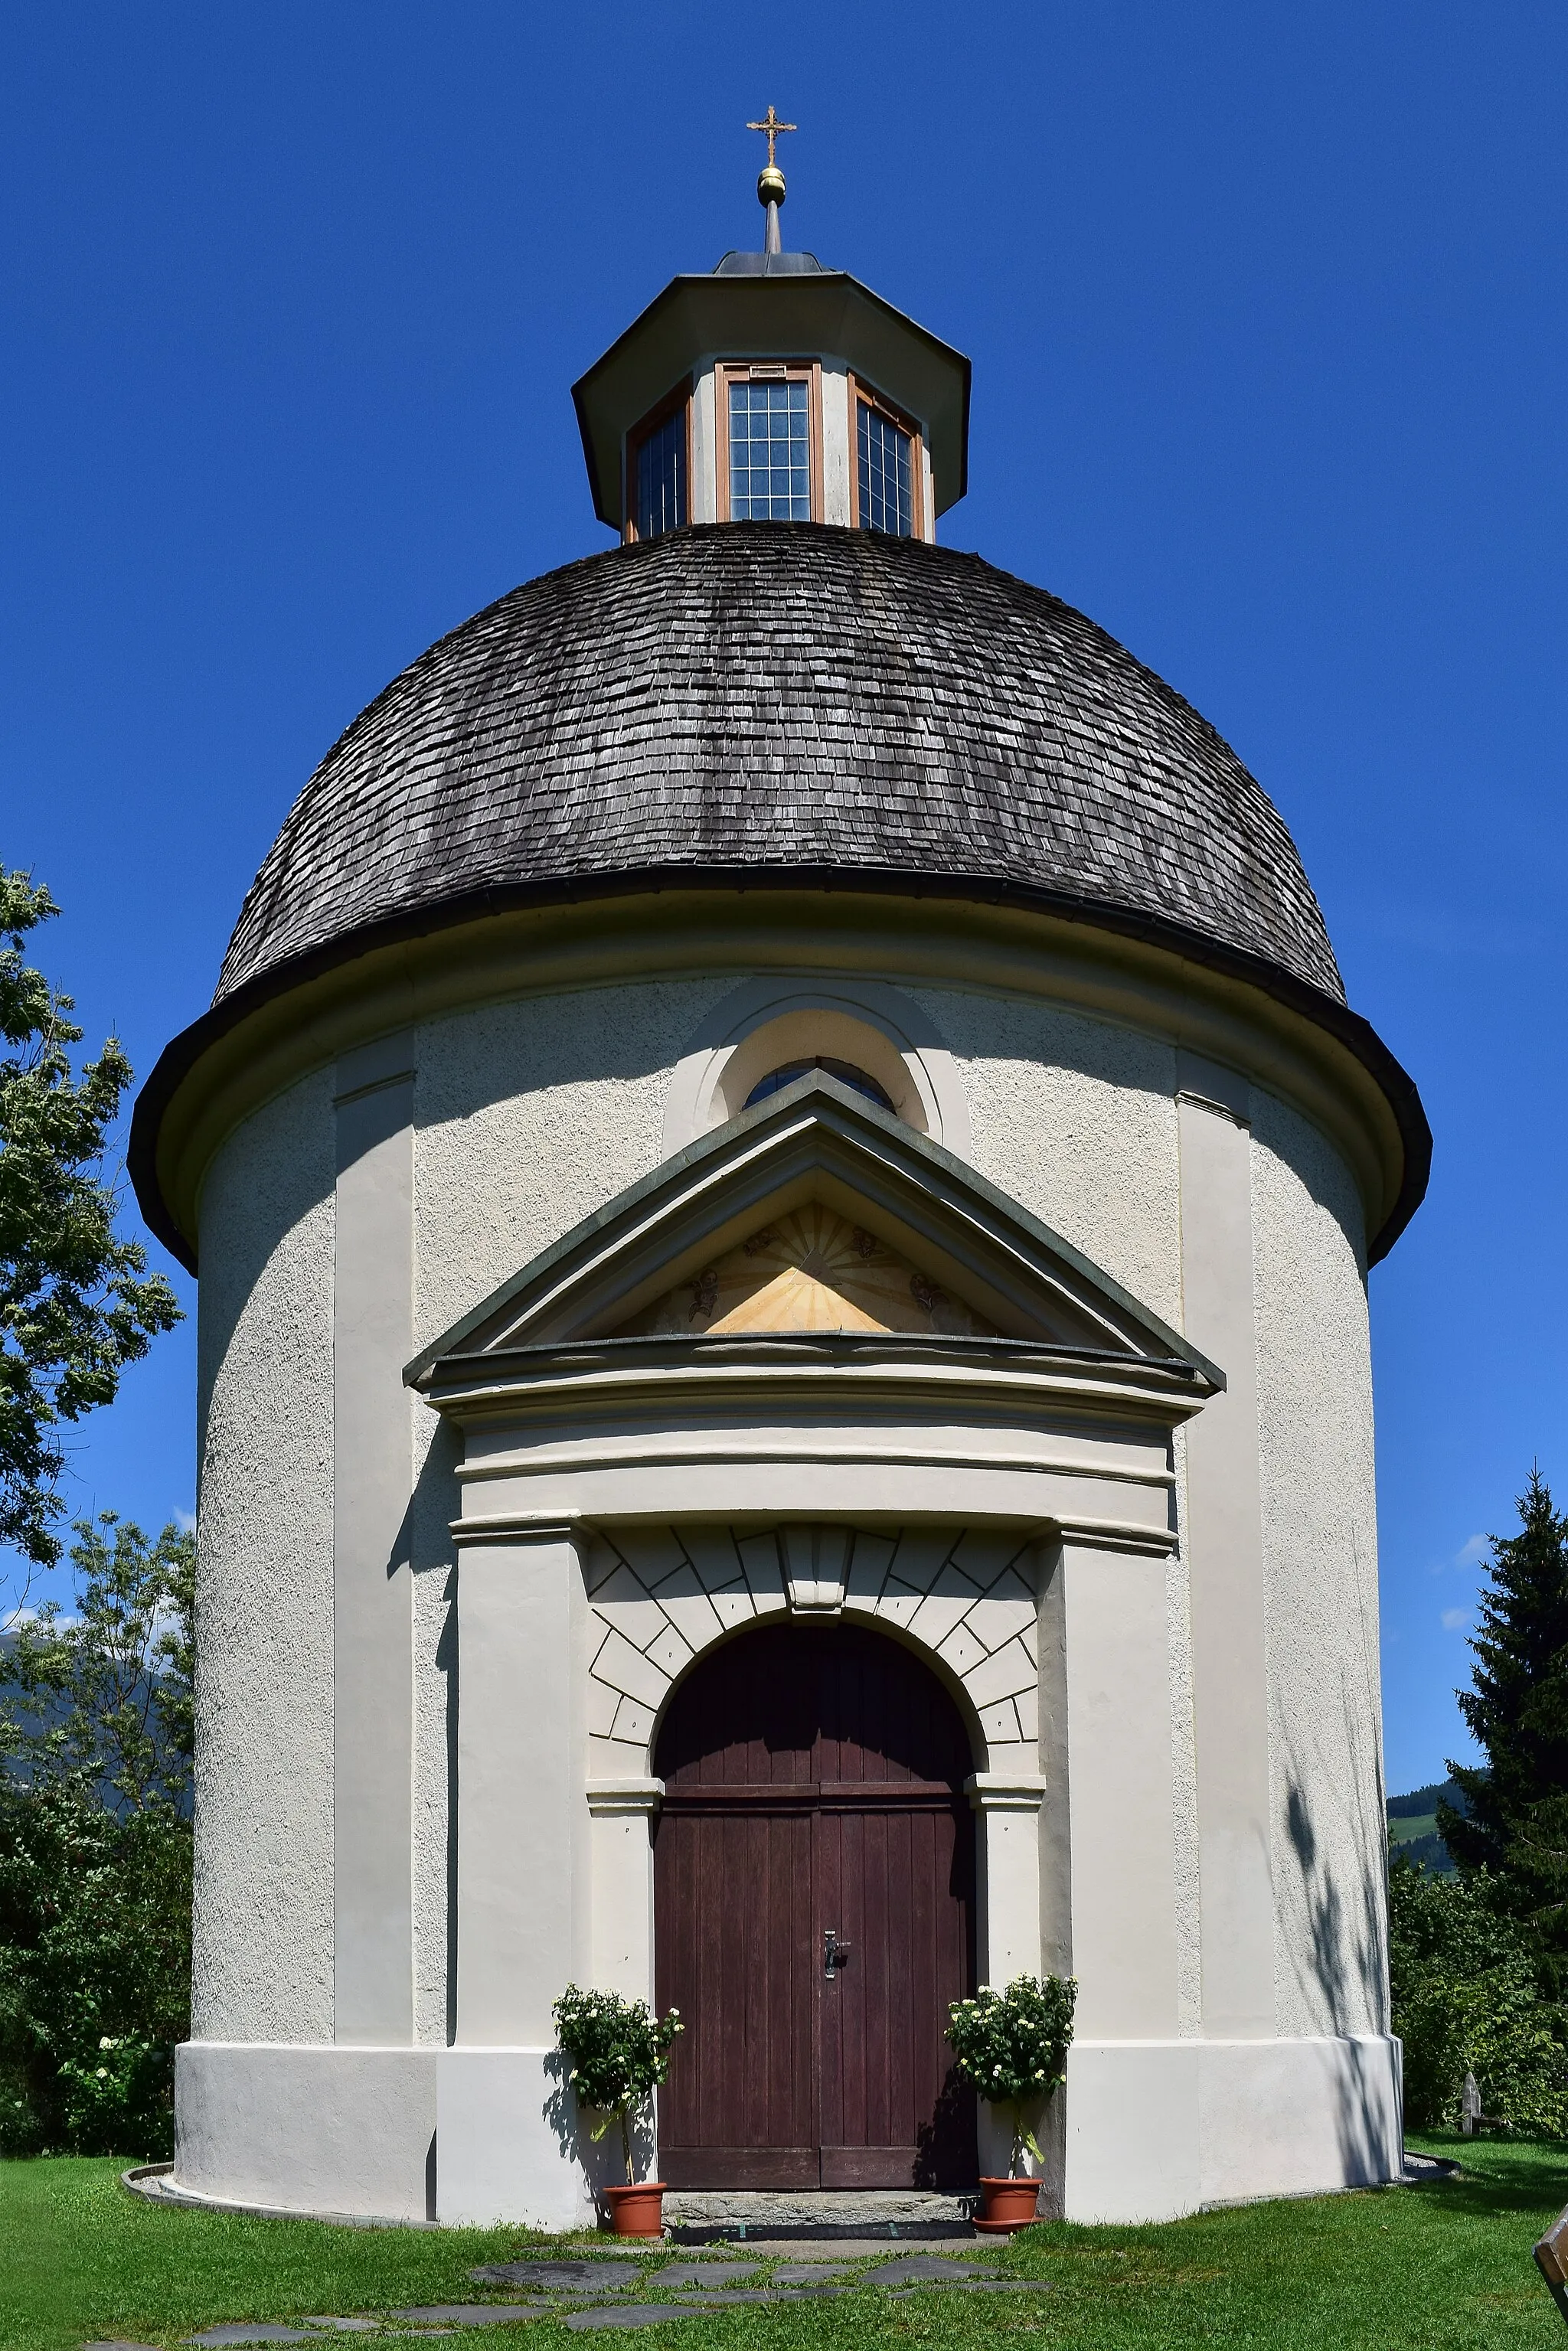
(1266, 308)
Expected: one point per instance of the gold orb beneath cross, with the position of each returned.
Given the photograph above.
(770, 185)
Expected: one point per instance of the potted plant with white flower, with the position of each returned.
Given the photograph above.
(620, 2054)
(1011, 2048)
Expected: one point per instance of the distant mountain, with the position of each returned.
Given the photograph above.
(1413, 1826)
(1424, 1799)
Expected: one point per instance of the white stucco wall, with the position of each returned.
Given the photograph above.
(263, 1601)
(1076, 1119)
(1315, 1399)
(1184, 1781)
(434, 1733)
(528, 1116)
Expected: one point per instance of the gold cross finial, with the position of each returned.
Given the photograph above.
(771, 128)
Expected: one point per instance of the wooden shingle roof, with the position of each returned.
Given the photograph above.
(751, 700)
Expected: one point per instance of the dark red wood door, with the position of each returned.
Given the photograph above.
(814, 1782)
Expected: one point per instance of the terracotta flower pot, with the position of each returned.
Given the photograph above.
(637, 2211)
(1007, 2204)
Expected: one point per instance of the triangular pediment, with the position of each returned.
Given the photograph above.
(815, 1212)
(811, 1269)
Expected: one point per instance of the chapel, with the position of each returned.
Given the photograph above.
(783, 1185)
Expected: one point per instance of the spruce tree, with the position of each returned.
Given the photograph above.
(1515, 1823)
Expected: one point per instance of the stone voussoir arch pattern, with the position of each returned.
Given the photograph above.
(661, 1596)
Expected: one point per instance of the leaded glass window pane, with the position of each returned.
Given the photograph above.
(886, 499)
(769, 453)
(662, 478)
(845, 1071)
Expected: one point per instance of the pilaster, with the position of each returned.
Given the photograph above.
(1120, 1789)
(1225, 1558)
(372, 1585)
(621, 1813)
(519, 1778)
(1007, 1805)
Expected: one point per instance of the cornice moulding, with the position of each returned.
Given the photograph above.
(1187, 994)
(656, 1397)
(536, 1462)
(513, 1527)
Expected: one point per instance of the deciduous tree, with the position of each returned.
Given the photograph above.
(1465, 1999)
(76, 1303)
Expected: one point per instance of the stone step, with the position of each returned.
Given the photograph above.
(791, 2216)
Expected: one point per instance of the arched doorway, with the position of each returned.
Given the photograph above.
(814, 1785)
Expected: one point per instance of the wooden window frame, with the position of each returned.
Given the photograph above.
(678, 396)
(807, 372)
(861, 390)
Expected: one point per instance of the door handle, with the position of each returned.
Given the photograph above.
(834, 1953)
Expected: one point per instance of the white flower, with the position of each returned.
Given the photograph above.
(106, 2042)
(103, 2072)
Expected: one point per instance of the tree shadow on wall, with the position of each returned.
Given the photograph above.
(602, 2160)
(946, 2159)
(423, 1545)
(1341, 1970)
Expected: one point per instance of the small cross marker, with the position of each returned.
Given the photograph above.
(771, 128)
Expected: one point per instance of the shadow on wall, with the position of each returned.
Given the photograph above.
(446, 1663)
(1341, 1970)
(945, 2154)
(423, 1543)
(1317, 1167)
(493, 1052)
(603, 2159)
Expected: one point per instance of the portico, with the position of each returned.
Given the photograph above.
(631, 1502)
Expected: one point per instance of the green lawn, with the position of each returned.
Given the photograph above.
(1443, 2268)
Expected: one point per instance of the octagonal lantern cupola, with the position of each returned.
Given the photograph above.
(774, 390)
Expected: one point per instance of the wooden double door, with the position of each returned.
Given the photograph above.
(813, 1876)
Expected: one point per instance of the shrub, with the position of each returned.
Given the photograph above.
(620, 2054)
(123, 2102)
(1012, 2046)
(94, 1946)
(1465, 1999)
(95, 1851)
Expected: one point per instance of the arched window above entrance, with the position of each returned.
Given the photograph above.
(834, 1038)
(848, 1074)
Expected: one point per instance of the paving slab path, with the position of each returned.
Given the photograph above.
(470, 2313)
(603, 2272)
(629, 2314)
(593, 2293)
(248, 2331)
(702, 2274)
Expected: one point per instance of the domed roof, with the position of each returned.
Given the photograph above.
(748, 701)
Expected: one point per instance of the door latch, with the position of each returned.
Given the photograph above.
(834, 1953)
